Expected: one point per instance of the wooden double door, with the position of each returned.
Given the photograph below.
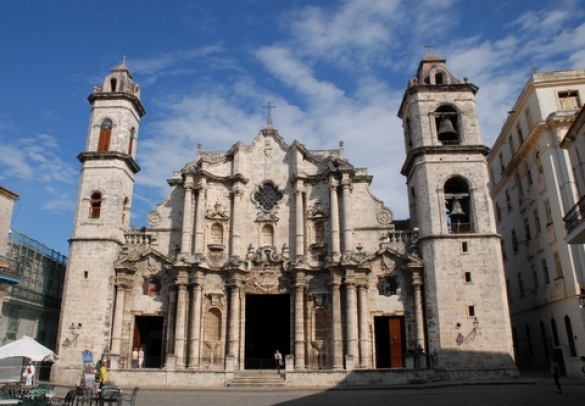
(390, 341)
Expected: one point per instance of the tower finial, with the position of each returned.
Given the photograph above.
(269, 107)
(124, 60)
(429, 47)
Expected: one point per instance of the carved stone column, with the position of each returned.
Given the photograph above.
(182, 298)
(235, 248)
(234, 317)
(417, 283)
(363, 329)
(195, 316)
(347, 223)
(299, 220)
(187, 215)
(200, 218)
(118, 318)
(334, 204)
(351, 318)
(300, 286)
(336, 339)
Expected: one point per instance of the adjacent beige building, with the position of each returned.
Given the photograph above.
(271, 245)
(533, 185)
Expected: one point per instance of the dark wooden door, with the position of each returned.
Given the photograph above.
(396, 345)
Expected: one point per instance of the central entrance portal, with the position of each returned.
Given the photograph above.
(267, 329)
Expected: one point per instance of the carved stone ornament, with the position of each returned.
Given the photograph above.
(384, 217)
(217, 213)
(154, 218)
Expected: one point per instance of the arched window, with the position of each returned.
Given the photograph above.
(105, 135)
(216, 233)
(447, 126)
(458, 206)
(439, 78)
(555, 333)
(113, 83)
(267, 235)
(570, 337)
(95, 205)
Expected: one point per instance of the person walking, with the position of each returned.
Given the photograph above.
(278, 360)
(555, 371)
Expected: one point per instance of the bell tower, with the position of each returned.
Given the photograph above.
(101, 218)
(449, 202)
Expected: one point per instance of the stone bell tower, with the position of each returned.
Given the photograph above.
(101, 219)
(465, 296)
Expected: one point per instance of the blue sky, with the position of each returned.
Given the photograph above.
(336, 70)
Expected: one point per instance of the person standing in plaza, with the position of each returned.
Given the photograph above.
(103, 374)
(555, 371)
(30, 374)
(278, 360)
(135, 358)
(141, 358)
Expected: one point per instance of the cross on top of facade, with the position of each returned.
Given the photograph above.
(269, 107)
(429, 47)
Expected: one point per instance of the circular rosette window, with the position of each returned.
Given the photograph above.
(267, 196)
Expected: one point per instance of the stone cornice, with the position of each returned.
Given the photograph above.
(441, 149)
(116, 96)
(109, 155)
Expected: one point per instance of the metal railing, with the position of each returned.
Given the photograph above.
(574, 216)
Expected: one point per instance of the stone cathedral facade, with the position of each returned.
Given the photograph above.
(270, 245)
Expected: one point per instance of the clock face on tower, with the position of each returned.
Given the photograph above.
(106, 125)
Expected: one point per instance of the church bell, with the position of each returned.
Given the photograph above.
(456, 209)
(446, 129)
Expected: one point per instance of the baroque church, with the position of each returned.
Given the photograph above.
(271, 245)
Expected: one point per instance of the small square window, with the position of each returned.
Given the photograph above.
(467, 277)
(464, 246)
(471, 311)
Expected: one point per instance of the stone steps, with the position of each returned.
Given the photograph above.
(257, 379)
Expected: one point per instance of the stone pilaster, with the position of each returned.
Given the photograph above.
(347, 223)
(180, 339)
(299, 220)
(235, 238)
(334, 204)
(118, 318)
(200, 217)
(300, 286)
(234, 317)
(336, 338)
(417, 283)
(187, 215)
(195, 316)
(364, 361)
(351, 318)
(171, 313)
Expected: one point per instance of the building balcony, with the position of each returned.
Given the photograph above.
(575, 223)
(10, 272)
(460, 228)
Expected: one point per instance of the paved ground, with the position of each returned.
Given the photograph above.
(532, 389)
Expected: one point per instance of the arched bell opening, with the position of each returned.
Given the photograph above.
(458, 207)
(447, 125)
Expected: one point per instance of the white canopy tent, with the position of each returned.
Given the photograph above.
(27, 347)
